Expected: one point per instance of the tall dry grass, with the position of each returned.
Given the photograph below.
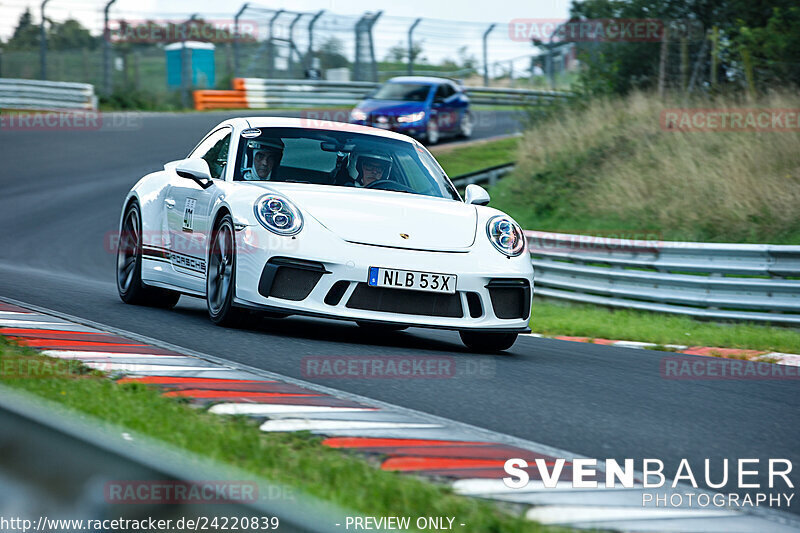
(613, 161)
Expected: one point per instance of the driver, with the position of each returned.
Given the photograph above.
(266, 156)
(372, 168)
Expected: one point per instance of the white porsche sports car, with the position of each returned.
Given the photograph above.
(289, 216)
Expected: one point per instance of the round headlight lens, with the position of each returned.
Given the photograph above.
(278, 215)
(506, 235)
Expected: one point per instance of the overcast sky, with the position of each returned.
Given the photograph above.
(440, 38)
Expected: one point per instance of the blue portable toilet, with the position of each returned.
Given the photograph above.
(201, 59)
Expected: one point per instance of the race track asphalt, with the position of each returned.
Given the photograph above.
(60, 198)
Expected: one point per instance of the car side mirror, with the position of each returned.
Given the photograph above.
(196, 169)
(477, 195)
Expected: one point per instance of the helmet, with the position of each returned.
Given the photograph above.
(274, 146)
(373, 158)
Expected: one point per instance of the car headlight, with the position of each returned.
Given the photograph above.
(357, 114)
(413, 117)
(506, 235)
(278, 214)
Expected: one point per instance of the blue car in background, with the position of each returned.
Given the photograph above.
(423, 107)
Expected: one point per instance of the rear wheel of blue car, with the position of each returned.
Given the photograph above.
(487, 342)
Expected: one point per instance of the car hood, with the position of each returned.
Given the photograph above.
(391, 107)
(381, 218)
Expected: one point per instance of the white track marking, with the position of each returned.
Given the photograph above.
(274, 409)
(567, 514)
(77, 354)
(143, 368)
(303, 424)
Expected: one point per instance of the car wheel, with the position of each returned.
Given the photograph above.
(432, 131)
(466, 126)
(221, 276)
(375, 326)
(487, 342)
(129, 266)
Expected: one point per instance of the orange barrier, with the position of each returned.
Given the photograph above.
(209, 99)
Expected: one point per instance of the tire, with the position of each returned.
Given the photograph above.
(129, 266)
(432, 133)
(487, 342)
(377, 327)
(221, 276)
(466, 126)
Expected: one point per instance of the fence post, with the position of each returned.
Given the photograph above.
(662, 62)
(748, 72)
(43, 45)
(714, 55)
(486, 56)
(107, 50)
(271, 64)
(311, 23)
(236, 37)
(374, 64)
(411, 47)
(292, 47)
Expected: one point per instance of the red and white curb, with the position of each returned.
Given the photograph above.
(468, 458)
(764, 356)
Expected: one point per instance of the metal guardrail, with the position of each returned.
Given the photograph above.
(44, 95)
(488, 175)
(704, 280)
(57, 463)
(259, 93)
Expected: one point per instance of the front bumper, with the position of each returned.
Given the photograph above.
(412, 129)
(334, 282)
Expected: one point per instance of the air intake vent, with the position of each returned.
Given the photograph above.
(511, 298)
(405, 302)
(290, 279)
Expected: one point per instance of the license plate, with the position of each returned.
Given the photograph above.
(412, 280)
(381, 125)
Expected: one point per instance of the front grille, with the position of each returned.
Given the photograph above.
(510, 297)
(289, 278)
(405, 302)
(474, 304)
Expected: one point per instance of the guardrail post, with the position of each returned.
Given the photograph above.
(411, 47)
(236, 38)
(486, 55)
(43, 45)
(107, 51)
(271, 64)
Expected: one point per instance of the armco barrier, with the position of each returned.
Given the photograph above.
(44, 95)
(257, 93)
(703, 280)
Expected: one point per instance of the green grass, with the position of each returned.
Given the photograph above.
(583, 320)
(610, 165)
(295, 459)
(457, 159)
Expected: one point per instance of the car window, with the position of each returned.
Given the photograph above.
(444, 91)
(214, 149)
(343, 159)
(407, 92)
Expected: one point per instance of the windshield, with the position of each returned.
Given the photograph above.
(408, 92)
(341, 159)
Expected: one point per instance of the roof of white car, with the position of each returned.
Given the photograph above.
(319, 122)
